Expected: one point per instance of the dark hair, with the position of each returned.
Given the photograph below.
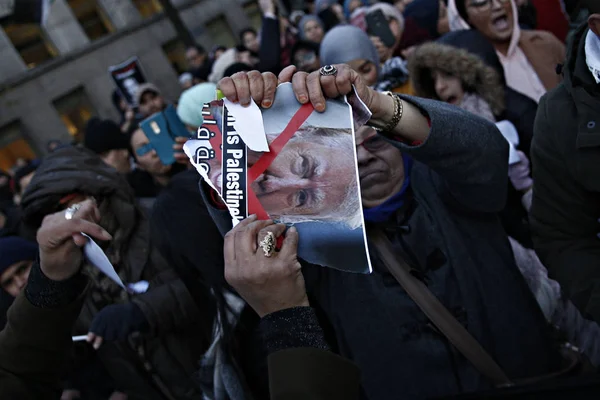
(197, 47)
(461, 7)
(216, 48)
(202, 72)
(246, 30)
(237, 67)
(304, 45)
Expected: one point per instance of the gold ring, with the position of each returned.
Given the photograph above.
(268, 244)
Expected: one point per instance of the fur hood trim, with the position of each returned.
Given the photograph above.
(476, 76)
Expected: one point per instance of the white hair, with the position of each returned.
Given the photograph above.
(349, 210)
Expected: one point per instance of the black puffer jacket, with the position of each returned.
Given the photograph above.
(170, 349)
(566, 192)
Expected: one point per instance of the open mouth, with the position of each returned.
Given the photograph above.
(452, 100)
(501, 23)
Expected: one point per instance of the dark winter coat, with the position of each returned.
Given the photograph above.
(170, 347)
(566, 195)
(37, 339)
(452, 234)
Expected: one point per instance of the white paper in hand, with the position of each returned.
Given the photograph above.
(249, 125)
(95, 255)
(508, 130)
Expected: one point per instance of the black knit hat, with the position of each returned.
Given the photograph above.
(102, 136)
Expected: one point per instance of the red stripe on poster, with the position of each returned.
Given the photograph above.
(277, 145)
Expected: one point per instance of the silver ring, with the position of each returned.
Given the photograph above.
(328, 70)
(69, 212)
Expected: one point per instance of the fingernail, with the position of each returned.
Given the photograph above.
(107, 235)
(320, 107)
(253, 216)
(293, 229)
(96, 346)
(303, 99)
(266, 103)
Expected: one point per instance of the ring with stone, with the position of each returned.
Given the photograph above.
(69, 212)
(328, 70)
(268, 244)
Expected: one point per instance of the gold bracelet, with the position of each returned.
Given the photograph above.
(398, 111)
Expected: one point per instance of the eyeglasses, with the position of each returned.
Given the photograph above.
(374, 143)
(484, 5)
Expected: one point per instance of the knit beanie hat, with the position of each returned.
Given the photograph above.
(102, 136)
(14, 249)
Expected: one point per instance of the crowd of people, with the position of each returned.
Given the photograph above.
(476, 168)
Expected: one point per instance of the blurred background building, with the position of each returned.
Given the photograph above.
(53, 78)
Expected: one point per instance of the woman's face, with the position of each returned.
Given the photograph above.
(447, 87)
(493, 18)
(313, 31)
(366, 69)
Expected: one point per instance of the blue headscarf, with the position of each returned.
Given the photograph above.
(384, 212)
(346, 43)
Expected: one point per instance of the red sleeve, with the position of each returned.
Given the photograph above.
(551, 18)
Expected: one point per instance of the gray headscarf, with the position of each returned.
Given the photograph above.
(346, 43)
(304, 20)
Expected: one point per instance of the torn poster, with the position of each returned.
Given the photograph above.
(308, 178)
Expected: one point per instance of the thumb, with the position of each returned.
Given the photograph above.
(287, 73)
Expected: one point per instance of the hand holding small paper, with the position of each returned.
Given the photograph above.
(61, 239)
(267, 283)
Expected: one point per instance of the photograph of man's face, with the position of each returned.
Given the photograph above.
(312, 177)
